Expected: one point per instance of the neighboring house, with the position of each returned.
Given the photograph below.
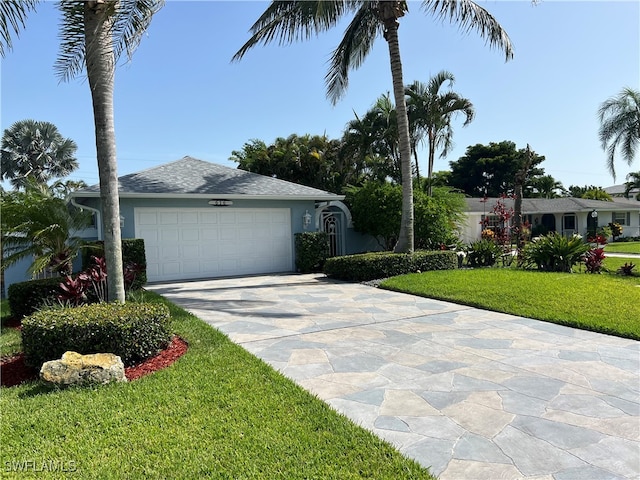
(618, 191)
(565, 215)
(200, 220)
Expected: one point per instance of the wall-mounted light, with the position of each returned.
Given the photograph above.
(220, 203)
(594, 214)
(121, 221)
(306, 219)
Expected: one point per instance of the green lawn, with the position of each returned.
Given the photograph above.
(219, 412)
(623, 247)
(603, 303)
(612, 264)
(10, 342)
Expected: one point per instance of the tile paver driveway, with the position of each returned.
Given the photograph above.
(469, 393)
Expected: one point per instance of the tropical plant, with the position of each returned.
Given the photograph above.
(35, 150)
(593, 260)
(438, 217)
(554, 252)
(311, 160)
(616, 230)
(620, 126)
(545, 186)
(597, 193)
(36, 223)
(93, 36)
(483, 253)
(430, 114)
(633, 182)
(626, 269)
(12, 17)
(289, 21)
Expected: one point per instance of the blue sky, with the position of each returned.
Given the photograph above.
(181, 95)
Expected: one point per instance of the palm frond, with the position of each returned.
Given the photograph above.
(133, 18)
(71, 54)
(469, 16)
(290, 21)
(356, 44)
(13, 14)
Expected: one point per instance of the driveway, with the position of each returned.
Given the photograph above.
(471, 394)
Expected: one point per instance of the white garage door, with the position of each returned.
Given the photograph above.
(184, 243)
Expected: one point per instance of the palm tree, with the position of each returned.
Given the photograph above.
(93, 35)
(289, 21)
(633, 181)
(38, 224)
(37, 150)
(620, 126)
(431, 112)
(546, 187)
(13, 14)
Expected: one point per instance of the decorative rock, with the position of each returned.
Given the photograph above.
(76, 369)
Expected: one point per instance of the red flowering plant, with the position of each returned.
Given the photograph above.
(593, 260)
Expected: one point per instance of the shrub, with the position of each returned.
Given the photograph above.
(133, 331)
(27, 297)
(593, 260)
(483, 253)
(371, 266)
(554, 252)
(312, 249)
(626, 269)
(133, 259)
(616, 230)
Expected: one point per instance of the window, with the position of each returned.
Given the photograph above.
(623, 218)
(569, 222)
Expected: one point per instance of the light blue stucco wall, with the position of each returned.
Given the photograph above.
(355, 241)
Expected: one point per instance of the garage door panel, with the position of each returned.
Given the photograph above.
(168, 218)
(200, 243)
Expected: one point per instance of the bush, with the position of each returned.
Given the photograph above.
(312, 249)
(27, 297)
(555, 252)
(483, 253)
(133, 331)
(593, 260)
(133, 256)
(371, 266)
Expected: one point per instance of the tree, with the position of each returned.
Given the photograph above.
(12, 17)
(633, 181)
(597, 194)
(37, 223)
(490, 170)
(292, 20)
(373, 141)
(430, 114)
(37, 150)
(93, 36)
(307, 160)
(620, 126)
(545, 186)
(576, 191)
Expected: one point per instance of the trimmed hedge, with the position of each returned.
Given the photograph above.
(312, 250)
(132, 252)
(27, 297)
(133, 331)
(371, 266)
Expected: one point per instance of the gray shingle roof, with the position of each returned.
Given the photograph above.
(190, 176)
(552, 205)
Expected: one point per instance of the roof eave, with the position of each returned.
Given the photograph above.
(197, 196)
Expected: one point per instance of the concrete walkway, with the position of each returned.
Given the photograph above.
(471, 394)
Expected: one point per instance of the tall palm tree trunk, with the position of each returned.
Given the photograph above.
(432, 152)
(405, 242)
(100, 61)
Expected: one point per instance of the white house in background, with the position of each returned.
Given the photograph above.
(617, 191)
(565, 215)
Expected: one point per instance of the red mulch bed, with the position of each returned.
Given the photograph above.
(13, 371)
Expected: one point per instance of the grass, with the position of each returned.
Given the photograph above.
(218, 412)
(612, 264)
(10, 341)
(602, 303)
(623, 247)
